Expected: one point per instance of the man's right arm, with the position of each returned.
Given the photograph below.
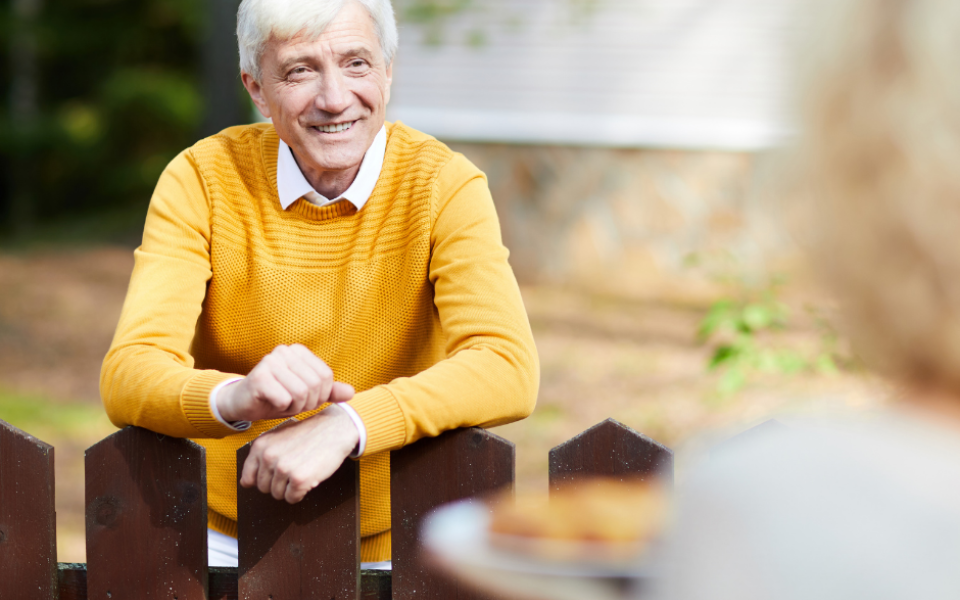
(148, 377)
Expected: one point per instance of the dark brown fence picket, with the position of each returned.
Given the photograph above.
(458, 464)
(28, 534)
(609, 449)
(308, 550)
(146, 498)
(146, 517)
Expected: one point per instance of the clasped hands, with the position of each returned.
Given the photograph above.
(289, 461)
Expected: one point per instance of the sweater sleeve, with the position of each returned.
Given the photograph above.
(491, 374)
(147, 378)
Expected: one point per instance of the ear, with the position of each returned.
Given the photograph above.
(389, 80)
(256, 94)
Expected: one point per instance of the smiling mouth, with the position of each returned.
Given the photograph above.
(335, 128)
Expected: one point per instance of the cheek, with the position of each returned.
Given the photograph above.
(292, 102)
(373, 93)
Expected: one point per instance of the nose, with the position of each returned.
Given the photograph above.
(333, 96)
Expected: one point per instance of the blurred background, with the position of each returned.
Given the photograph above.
(630, 147)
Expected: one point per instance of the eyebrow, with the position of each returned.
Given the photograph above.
(360, 51)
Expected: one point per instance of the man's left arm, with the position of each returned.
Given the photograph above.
(491, 374)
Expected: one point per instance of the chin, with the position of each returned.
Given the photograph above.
(337, 159)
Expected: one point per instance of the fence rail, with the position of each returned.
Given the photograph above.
(146, 517)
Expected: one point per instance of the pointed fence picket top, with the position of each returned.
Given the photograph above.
(308, 550)
(458, 464)
(146, 515)
(28, 542)
(609, 449)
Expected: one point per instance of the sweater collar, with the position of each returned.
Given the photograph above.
(292, 185)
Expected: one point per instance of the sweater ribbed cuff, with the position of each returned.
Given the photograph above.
(195, 403)
(383, 419)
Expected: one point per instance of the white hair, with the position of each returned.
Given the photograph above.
(259, 20)
(876, 168)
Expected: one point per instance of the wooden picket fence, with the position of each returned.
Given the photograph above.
(146, 517)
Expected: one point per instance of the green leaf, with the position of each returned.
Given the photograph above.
(758, 316)
(724, 355)
(732, 382)
(721, 316)
(826, 365)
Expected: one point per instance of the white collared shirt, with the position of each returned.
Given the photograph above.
(293, 185)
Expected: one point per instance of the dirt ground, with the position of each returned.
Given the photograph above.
(637, 361)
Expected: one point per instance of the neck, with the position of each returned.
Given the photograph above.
(329, 184)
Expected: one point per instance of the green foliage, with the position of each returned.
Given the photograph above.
(432, 17)
(47, 419)
(118, 98)
(743, 335)
(119, 95)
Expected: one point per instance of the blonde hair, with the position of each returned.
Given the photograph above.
(259, 20)
(878, 160)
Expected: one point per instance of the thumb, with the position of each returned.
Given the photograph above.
(341, 392)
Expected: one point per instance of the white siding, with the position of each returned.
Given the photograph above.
(632, 73)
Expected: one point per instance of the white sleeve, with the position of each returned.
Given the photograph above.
(236, 425)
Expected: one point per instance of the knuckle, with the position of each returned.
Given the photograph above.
(299, 390)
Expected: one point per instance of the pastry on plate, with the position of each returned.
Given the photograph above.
(599, 520)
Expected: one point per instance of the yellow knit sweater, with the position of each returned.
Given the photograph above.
(411, 300)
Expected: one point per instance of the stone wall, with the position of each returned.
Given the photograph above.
(629, 221)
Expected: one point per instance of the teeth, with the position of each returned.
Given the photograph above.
(335, 128)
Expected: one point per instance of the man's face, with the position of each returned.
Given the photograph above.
(327, 97)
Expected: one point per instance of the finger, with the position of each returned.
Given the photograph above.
(266, 389)
(310, 377)
(341, 392)
(278, 486)
(265, 476)
(295, 493)
(294, 386)
(320, 368)
(248, 476)
(291, 495)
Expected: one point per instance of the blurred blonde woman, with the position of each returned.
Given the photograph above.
(866, 506)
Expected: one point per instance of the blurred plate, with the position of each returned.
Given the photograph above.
(456, 537)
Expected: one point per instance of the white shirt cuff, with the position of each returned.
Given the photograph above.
(362, 444)
(236, 425)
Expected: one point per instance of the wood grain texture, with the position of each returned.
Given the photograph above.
(374, 585)
(308, 550)
(223, 583)
(73, 581)
(458, 464)
(146, 516)
(609, 449)
(28, 543)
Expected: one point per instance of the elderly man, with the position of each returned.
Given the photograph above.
(326, 266)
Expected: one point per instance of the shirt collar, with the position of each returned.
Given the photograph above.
(292, 185)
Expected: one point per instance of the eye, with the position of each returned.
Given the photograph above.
(297, 72)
